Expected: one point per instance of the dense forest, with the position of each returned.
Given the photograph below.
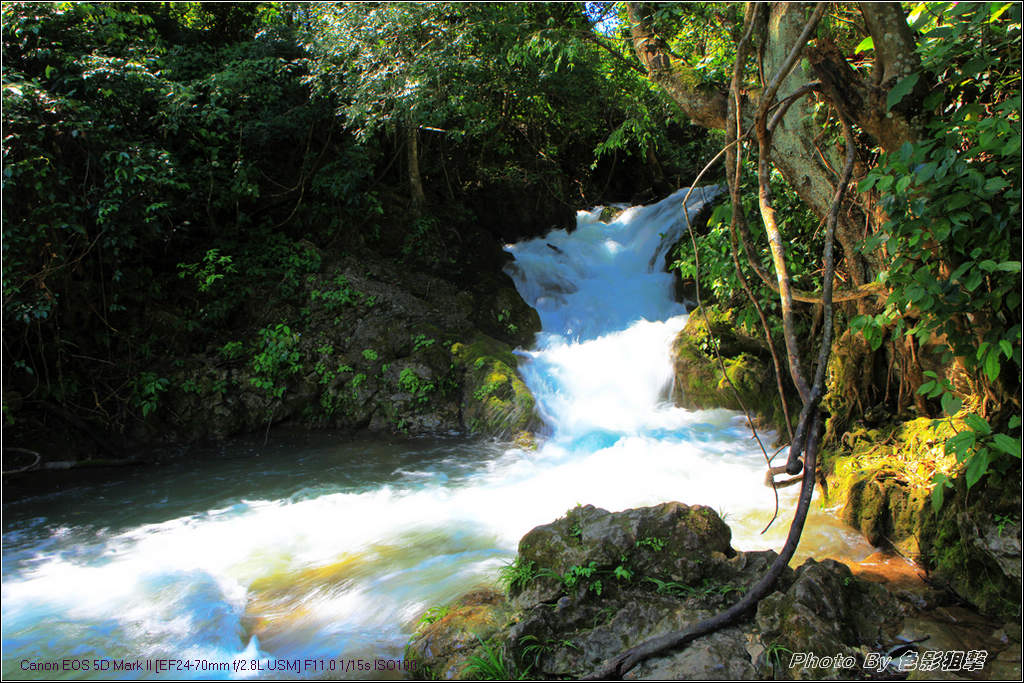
(218, 217)
(171, 169)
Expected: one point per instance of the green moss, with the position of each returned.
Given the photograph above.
(882, 478)
(700, 381)
(495, 400)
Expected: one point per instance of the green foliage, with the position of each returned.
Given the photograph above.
(533, 648)
(718, 280)
(622, 573)
(979, 449)
(370, 355)
(483, 391)
(491, 664)
(143, 144)
(777, 655)
(231, 350)
(517, 574)
(146, 392)
(206, 273)
(953, 198)
(505, 319)
(343, 295)
(654, 543)
(420, 342)
(277, 356)
(708, 587)
(576, 573)
(412, 383)
(435, 613)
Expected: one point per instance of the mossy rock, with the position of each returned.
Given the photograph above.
(882, 479)
(441, 649)
(826, 610)
(692, 542)
(495, 400)
(748, 380)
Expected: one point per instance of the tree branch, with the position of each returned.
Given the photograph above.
(768, 217)
(704, 108)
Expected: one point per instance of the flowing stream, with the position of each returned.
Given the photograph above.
(326, 549)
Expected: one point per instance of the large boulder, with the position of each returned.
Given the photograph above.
(748, 380)
(494, 399)
(590, 585)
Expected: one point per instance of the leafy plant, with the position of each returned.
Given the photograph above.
(505, 318)
(622, 573)
(412, 383)
(206, 273)
(232, 350)
(654, 543)
(491, 664)
(517, 574)
(435, 613)
(421, 341)
(535, 648)
(147, 390)
(336, 299)
(277, 357)
(978, 448)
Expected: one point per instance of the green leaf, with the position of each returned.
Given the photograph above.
(1009, 266)
(993, 185)
(1007, 444)
(1006, 347)
(977, 466)
(961, 444)
(951, 404)
(978, 424)
(865, 45)
(900, 90)
(992, 366)
(941, 481)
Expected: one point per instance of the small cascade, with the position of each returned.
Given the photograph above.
(260, 559)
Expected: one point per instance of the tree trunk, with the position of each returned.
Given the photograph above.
(415, 180)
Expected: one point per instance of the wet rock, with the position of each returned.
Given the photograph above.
(594, 583)
(699, 380)
(441, 649)
(494, 399)
(826, 611)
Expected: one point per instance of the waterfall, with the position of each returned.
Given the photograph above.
(334, 551)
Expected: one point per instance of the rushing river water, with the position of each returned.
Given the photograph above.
(328, 549)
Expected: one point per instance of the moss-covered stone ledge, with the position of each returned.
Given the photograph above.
(700, 382)
(880, 479)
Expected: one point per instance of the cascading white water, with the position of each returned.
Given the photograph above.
(323, 556)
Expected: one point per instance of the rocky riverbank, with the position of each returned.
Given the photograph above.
(592, 584)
